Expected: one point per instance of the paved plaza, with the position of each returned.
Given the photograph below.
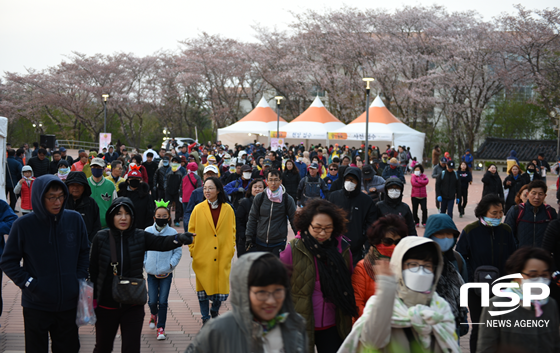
(184, 320)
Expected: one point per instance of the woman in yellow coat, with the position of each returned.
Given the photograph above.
(213, 221)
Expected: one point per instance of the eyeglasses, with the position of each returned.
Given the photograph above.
(53, 199)
(208, 189)
(274, 181)
(333, 169)
(545, 274)
(390, 241)
(415, 267)
(263, 295)
(318, 229)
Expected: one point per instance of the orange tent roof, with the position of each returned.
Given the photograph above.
(262, 112)
(378, 113)
(317, 113)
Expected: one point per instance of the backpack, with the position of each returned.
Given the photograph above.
(443, 173)
(521, 208)
(312, 189)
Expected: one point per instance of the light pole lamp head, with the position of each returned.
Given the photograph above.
(368, 80)
(105, 96)
(278, 99)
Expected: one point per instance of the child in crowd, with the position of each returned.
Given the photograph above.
(24, 188)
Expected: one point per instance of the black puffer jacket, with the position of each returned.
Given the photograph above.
(360, 212)
(85, 205)
(144, 206)
(529, 231)
(492, 184)
(159, 178)
(448, 186)
(131, 246)
(40, 167)
(268, 221)
(396, 206)
(291, 182)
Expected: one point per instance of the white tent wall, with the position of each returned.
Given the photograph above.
(414, 141)
(3, 136)
(241, 138)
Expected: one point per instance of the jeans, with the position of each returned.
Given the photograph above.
(205, 308)
(447, 205)
(158, 292)
(130, 319)
(422, 203)
(60, 325)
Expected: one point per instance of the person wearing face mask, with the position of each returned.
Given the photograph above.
(535, 266)
(393, 171)
(383, 163)
(263, 317)
(102, 190)
(531, 173)
(382, 236)
(159, 266)
(312, 186)
(80, 200)
(159, 179)
(485, 242)
(359, 208)
(492, 182)
(173, 185)
(237, 189)
(448, 189)
(418, 195)
(393, 204)
(63, 170)
(441, 229)
(190, 182)
(301, 166)
(406, 314)
(139, 193)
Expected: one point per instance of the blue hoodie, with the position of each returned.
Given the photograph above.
(442, 221)
(7, 218)
(162, 262)
(54, 249)
(513, 155)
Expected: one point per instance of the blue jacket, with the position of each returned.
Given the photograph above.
(302, 167)
(513, 155)
(7, 218)
(54, 249)
(389, 172)
(232, 187)
(197, 197)
(468, 158)
(162, 262)
(13, 172)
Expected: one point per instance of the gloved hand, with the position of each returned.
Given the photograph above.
(180, 199)
(184, 238)
(439, 198)
(241, 190)
(458, 201)
(248, 245)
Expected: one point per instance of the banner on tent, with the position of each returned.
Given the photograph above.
(282, 134)
(301, 135)
(360, 136)
(276, 144)
(104, 140)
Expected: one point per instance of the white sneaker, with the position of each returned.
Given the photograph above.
(161, 334)
(153, 321)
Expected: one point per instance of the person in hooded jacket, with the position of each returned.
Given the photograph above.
(532, 173)
(393, 171)
(7, 218)
(485, 242)
(160, 178)
(418, 196)
(441, 229)
(492, 182)
(263, 318)
(393, 204)
(359, 208)
(513, 182)
(131, 245)
(242, 214)
(406, 314)
(52, 242)
(448, 189)
(80, 200)
(383, 236)
(372, 185)
(237, 188)
(12, 175)
(139, 193)
(63, 170)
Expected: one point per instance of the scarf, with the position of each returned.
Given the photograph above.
(268, 326)
(425, 320)
(336, 283)
(214, 204)
(62, 176)
(537, 304)
(449, 285)
(274, 196)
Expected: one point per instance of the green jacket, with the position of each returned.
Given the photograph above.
(303, 285)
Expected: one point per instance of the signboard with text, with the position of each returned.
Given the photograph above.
(359, 136)
(104, 140)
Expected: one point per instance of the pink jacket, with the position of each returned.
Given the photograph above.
(419, 185)
(324, 312)
(190, 182)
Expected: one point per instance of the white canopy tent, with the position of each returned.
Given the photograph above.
(312, 126)
(3, 136)
(254, 126)
(384, 129)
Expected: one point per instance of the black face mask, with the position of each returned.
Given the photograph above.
(161, 222)
(134, 183)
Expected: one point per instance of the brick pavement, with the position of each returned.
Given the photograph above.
(183, 320)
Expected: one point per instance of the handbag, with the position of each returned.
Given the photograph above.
(126, 290)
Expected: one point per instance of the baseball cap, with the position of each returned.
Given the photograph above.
(62, 149)
(443, 160)
(267, 162)
(246, 168)
(314, 166)
(451, 164)
(211, 168)
(367, 171)
(98, 161)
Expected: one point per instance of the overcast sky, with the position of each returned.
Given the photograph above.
(38, 33)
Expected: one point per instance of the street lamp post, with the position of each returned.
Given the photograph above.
(105, 96)
(38, 129)
(368, 89)
(278, 100)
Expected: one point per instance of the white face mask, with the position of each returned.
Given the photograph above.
(417, 172)
(299, 159)
(535, 291)
(246, 175)
(349, 186)
(394, 193)
(420, 281)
